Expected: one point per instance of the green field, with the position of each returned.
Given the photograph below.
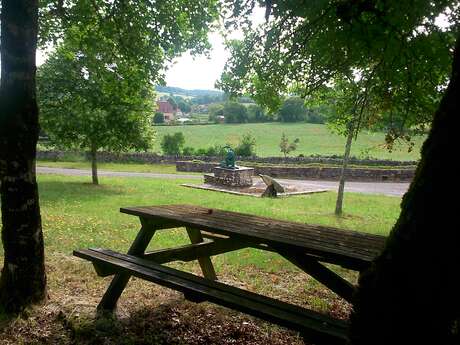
(314, 139)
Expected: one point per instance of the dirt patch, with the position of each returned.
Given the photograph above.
(150, 314)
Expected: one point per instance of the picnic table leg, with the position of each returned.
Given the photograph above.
(205, 262)
(118, 284)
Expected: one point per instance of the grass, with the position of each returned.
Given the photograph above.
(314, 139)
(77, 214)
(128, 167)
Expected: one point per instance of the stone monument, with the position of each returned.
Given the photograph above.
(229, 174)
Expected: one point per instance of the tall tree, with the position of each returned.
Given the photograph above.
(87, 105)
(410, 294)
(305, 46)
(142, 34)
(23, 279)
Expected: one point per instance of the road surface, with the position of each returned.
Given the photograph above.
(386, 188)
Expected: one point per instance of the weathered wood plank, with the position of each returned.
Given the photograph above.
(324, 275)
(118, 283)
(349, 249)
(315, 327)
(185, 253)
(191, 252)
(205, 261)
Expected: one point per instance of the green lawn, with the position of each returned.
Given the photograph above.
(77, 214)
(314, 139)
(128, 167)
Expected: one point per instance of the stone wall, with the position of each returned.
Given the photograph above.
(146, 157)
(320, 173)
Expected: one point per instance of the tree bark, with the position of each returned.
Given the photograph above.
(23, 279)
(346, 159)
(410, 295)
(94, 165)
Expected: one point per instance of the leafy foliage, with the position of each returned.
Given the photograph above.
(89, 106)
(171, 144)
(140, 35)
(287, 147)
(292, 110)
(235, 112)
(159, 117)
(257, 114)
(395, 50)
(246, 147)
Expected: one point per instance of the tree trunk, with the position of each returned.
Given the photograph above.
(23, 279)
(94, 164)
(346, 159)
(410, 295)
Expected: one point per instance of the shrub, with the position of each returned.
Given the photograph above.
(246, 147)
(235, 113)
(188, 151)
(158, 117)
(287, 147)
(171, 144)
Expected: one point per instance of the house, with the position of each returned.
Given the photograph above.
(167, 109)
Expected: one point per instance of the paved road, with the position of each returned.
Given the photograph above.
(385, 188)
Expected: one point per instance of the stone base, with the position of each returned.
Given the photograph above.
(240, 177)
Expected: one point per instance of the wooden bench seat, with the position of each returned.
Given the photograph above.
(316, 327)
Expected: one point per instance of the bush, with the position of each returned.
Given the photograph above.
(188, 151)
(246, 147)
(171, 144)
(292, 110)
(235, 113)
(158, 117)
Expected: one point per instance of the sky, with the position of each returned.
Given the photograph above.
(200, 72)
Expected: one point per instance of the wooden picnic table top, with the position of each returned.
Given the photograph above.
(350, 249)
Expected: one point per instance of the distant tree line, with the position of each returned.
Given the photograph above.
(292, 110)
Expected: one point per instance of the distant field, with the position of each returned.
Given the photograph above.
(314, 139)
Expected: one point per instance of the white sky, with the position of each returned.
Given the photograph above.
(199, 72)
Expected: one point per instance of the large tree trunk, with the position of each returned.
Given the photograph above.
(346, 159)
(23, 279)
(411, 295)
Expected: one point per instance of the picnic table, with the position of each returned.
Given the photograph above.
(213, 232)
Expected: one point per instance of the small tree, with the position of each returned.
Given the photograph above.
(86, 104)
(287, 147)
(159, 117)
(246, 147)
(171, 144)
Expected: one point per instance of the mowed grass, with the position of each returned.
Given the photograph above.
(125, 167)
(314, 139)
(77, 214)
